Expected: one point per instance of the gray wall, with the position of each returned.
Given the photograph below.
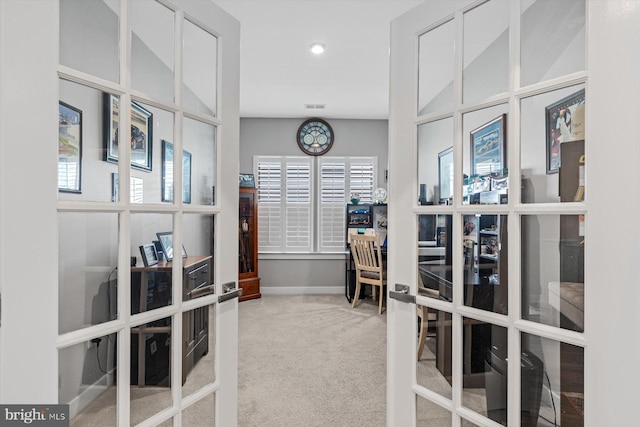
(278, 137)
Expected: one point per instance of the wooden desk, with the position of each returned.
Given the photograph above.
(151, 288)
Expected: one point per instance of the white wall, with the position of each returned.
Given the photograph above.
(278, 137)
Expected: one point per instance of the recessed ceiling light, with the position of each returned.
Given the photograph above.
(317, 48)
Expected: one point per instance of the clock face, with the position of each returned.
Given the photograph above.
(315, 137)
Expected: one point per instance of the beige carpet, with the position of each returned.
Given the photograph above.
(311, 360)
(303, 361)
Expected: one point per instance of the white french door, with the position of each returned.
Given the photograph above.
(123, 329)
(498, 230)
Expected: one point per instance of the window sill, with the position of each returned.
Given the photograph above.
(305, 256)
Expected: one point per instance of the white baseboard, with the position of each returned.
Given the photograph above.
(91, 393)
(302, 290)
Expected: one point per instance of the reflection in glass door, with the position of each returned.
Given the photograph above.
(497, 332)
(140, 235)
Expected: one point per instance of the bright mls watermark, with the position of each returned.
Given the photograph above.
(34, 415)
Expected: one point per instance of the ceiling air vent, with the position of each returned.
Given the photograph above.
(315, 106)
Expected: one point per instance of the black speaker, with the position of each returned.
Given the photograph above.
(423, 194)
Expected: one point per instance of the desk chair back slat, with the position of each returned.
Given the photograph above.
(368, 262)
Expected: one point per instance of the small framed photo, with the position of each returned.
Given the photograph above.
(564, 123)
(445, 174)
(166, 241)
(488, 147)
(141, 133)
(167, 173)
(69, 148)
(149, 254)
(246, 180)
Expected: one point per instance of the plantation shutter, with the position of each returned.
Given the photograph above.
(362, 178)
(269, 183)
(339, 177)
(287, 205)
(298, 206)
(333, 197)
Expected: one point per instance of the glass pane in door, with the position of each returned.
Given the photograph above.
(150, 375)
(83, 174)
(198, 348)
(435, 162)
(198, 241)
(201, 413)
(552, 146)
(429, 414)
(152, 49)
(484, 164)
(484, 369)
(89, 37)
(433, 369)
(553, 39)
(553, 270)
(485, 51)
(435, 68)
(435, 258)
(552, 387)
(199, 163)
(87, 276)
(485, 245)
(87, 373)
(200, 70)
(151, 276)
(151, 130)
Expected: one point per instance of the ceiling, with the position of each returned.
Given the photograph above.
(279, 75)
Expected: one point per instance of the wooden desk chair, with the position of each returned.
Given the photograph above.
(368, 262)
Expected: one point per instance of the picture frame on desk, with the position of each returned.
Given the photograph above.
(166, 241)
(149, 254)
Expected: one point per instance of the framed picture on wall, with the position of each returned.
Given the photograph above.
(564, 123)
(167, 173)
(69, 148)
(141, 133)
(488, 146)
(445, 174)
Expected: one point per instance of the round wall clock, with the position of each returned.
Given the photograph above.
(315, 137)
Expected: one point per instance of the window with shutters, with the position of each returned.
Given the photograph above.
(284, 203)
(339, 177)
(286, 200)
